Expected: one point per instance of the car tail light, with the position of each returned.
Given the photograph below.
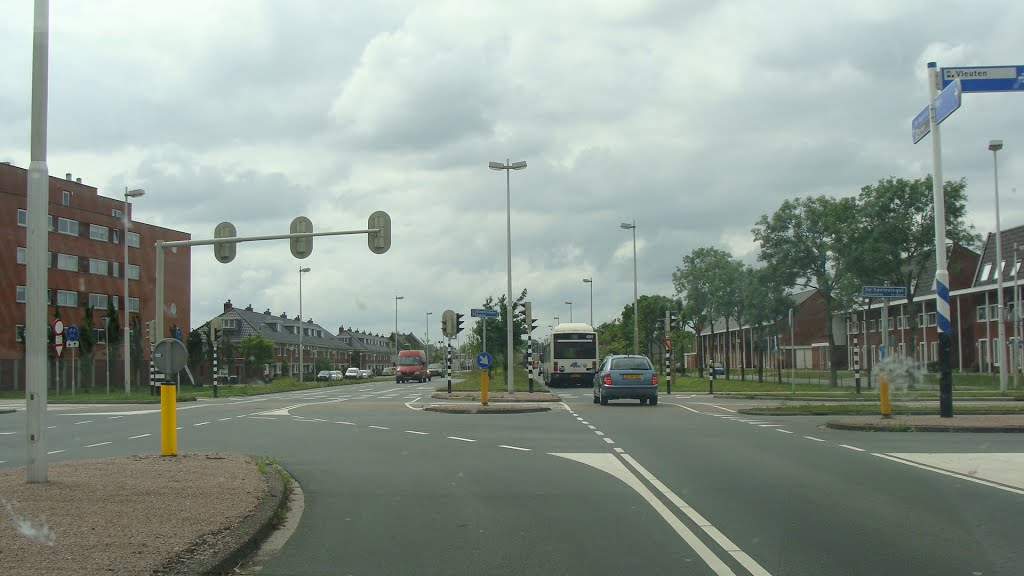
(554, 367)
(654, 379)
(607, 380)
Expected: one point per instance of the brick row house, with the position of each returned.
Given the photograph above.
(86, 261)
(973, 310)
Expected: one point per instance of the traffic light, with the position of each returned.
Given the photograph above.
(445, 327)
(379, 242)
(458, 323)
(531, 322)
(301, 247)
(225, 253)
(673, 320)
(150, 329)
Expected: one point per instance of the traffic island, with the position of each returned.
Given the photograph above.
(8, 410)
(966, 423)
(468, 408)
(499, 396)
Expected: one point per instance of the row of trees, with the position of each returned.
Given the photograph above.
(827, 244)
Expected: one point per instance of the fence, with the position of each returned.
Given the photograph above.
(60, 380)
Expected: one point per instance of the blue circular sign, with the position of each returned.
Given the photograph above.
(71, 333)
(484, 360)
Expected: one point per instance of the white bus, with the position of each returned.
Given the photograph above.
(571, 356)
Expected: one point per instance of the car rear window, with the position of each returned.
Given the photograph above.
(630, 364)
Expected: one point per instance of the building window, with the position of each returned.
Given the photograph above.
(133, 304)
(115, 235)
(67, 262)
(67, 226)
(115, 269)
(22, 217)
(97, 232)
(98, 301)
(984, 272)
(99, 335)
(113, 300)
(133, 272)
(116, 213)
(67, 298)
(872, 326)
(931, 318)
(899, 322)
(133, 239)
(19, 332)
(65, 198)
(982, 316)
(934, 351)
(920, 320)
(22, 254)
(993, 312)
(19, 296)
(97, 266)
(232, 323)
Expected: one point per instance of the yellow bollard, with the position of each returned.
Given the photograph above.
(483, 388)
(168, 421)
(883, 395)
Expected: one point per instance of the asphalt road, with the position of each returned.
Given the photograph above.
(686, 487)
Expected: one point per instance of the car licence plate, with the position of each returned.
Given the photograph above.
(631, 376)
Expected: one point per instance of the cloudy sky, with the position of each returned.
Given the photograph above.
(692, 118)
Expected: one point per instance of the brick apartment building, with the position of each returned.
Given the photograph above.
(86, 266)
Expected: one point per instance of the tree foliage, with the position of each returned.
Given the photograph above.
(256, 351)
(699, 283)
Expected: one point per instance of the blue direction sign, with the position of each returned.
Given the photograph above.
(986, 78)
(484, 360)
(483, 313)
(883, 291)
(947, 102)
(71, 333)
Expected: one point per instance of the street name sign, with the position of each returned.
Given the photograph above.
(986, 78)
(883, 291)
(483, 313)
(947, 102)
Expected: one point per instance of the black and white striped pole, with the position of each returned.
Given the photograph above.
(531, 325)
(213, 339)
(449, 369)
(856, 362)
(152, 366)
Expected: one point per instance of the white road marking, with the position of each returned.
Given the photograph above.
(97, 444)
(768, 425)
(783, 431)
(580, 418)
(717, 406)
(415, 432)
(1003, 468)
(201, 424)
(83, 422)
(263, 417)
(851, 447)
(139, 436)
(514, 448)
(584, 422)
(343, 422)
(598, 432)
(180, 427)
(55, 451)
(685, 407)
(462, 439)
(749, 563)
(115, 417)
(754, 422)
(591, 426)
(407, 404)
(50, 427)
(5, 433)
(813, 438)
(610, 464)
(223, 419)
(620, 450)
(2, 461)
(379, 427)
(608, 440)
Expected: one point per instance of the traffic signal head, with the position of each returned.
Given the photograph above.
(458, 323)
(225, 252)
(531, 322)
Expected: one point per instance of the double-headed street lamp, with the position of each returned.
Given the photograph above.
(301, 272)
(636, 323)
(136, 193)
(507, 167)
(397, 298)
(590, 281)
(569, 302)
(995, 146)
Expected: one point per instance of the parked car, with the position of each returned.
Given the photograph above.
(337, 375)
(352, 373)
(718, 369)
(323, 376)
(435, 369)
(412, 365)
(626, 376)
(365, 374)
(388, 371)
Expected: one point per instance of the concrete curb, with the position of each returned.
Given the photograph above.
(867, 398)
(8, 411)
(478, 409)
(234, 545)
(904, 427)
(497, 397)
(154, 401)
(895, 412)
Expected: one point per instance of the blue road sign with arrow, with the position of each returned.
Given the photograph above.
(986, 78)
(484, 360)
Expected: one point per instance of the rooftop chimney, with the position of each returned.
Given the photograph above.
(267, 312)
(78, 180)
(227, 305)
(69, 176)
(248, 308)
(284, 315)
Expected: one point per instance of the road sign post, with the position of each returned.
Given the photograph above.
(71, 335)
(483, 361)
(170, 356)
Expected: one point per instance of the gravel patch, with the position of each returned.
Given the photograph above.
(129, 515)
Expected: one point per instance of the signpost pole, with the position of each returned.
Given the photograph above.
(941, 272)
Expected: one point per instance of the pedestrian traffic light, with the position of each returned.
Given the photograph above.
(458, 323)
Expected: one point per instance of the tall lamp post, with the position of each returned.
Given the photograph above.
(590, 281)
(397, 298)
(569, 302)
(995, 146)
(508, 167)
(301, 272)
(636, 323)
(427, 341)
(127, 309)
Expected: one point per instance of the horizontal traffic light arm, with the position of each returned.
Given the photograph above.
(214, 241)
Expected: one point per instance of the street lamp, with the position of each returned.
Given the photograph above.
(569, 302)
(557, 319)
(127, 309)
(995, 146)
(591, 282)
(427, 341)
(636, 323)
(508, 167)
(397, 298)
(301, 272)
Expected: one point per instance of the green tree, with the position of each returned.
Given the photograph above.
(612, 339)
(226, 352)
(899, 234)
(497, 336)
(727, 301)
(766, 305)
(196, 347)
(699, 282)
(807, 241)
(256, 351)
(651, 325)
(87, 346)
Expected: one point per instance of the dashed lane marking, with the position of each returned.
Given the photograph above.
(608, 440)
(139, 436)
(619, 450)
(55, 451)
(379, 427)
(201, 424)
(83, 422)
(854, 448)
(783, 431)
(598, 432)
(343, 422)
(717, 406)
(97, 444)
(813, 438)
(514, 448)
(416, 432)
(461, 439)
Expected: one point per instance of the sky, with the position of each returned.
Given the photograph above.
(690, 118)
